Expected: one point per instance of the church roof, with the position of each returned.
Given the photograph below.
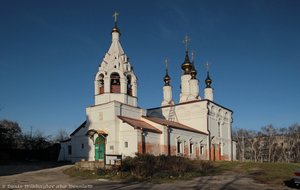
(193, 101)
(173, 124)
(139, 124)
(76, 130)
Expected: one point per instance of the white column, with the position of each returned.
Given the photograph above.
(134, 89)
(208, 94)
(96, 85)
(167, 91)
(106, 84)
(123, 86)
(185, 88)
(194, 89)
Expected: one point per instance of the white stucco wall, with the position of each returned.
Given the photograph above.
(192, 114)
(130, 135)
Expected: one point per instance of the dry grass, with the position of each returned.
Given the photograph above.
(82, 174)
(163, 169)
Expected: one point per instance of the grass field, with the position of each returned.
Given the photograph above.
(269, 173)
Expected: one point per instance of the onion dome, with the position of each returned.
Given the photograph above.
(186, 65)
(193, 72)
(116, 29)
(208, 81)
(167, 79)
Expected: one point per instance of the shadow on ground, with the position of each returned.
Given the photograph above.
(27, 166)
(290, 183)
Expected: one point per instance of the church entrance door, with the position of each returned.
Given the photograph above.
(99, 148)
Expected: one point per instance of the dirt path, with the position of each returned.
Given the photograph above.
(54, 178)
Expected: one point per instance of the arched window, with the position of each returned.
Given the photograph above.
(101, 83)
(115, 83)
(129, 85)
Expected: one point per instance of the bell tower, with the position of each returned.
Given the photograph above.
(115, 79)
(208, 91)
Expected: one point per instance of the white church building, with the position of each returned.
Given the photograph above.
(195, 127)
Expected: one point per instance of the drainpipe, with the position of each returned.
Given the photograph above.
(169, 140)
(231, 138)
(209, 140)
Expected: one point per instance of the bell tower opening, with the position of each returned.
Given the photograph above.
(115, 83)
(129, 85)
(101, 83)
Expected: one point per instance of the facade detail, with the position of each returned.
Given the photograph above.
(116, 127)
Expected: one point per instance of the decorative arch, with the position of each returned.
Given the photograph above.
(214, 111)
(226, 118)
(100, 148)
(115, 83)
(220, 114)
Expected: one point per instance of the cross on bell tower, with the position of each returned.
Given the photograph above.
(115, 15)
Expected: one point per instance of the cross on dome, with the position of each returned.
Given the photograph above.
(166, 63)
(115, 15)
(193, 56)
(207, 66)
(186, 42)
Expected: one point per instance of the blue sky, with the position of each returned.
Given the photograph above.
(50, 52)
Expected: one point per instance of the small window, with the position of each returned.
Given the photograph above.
(179, 147)
(69, 149)
(126, 144)
(201, 149)
(219, 129)
(82, 146)
(111, 147)
(191, 148)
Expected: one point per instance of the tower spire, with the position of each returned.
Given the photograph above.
(115, 28)
(167, 89)
(193, 71)
(208, 91)
(208, 80)
(167, 78)
(186, 65)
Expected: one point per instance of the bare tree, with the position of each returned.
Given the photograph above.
(10, 133)
(61, 135)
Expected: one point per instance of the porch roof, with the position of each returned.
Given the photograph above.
(139, 124)
(92, 132)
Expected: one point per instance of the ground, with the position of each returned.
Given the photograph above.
(54, 178)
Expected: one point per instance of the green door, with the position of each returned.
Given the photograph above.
(99, 148)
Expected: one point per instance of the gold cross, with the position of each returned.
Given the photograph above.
(193, 56)
(115, 15)
(186, 42)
